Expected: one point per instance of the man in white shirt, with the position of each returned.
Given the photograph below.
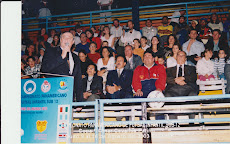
(132, 60)
(75, 38)
(149, 31)
(116, 30)
(193, 48)
(105, 5)
(128, 37)
(78, 29)
(176, 15)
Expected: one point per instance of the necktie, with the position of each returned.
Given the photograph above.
(70, 62)
(67, 56)
(180, 71)
(119, 73)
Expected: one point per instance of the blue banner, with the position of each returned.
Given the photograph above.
(46, 109)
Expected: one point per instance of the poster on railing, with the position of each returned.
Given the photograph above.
(45, 109)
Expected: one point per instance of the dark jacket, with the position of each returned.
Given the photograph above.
(53, 63)
(136, 62)
(222, 45)
(96, 86)
(189, 75)
(125, 81)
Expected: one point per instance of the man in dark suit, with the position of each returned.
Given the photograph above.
(132, 60)
(60, 60)
(216, 43)
(119, 81)
(92, 84)
(181, 79)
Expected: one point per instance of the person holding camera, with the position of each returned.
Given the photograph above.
(128, 37)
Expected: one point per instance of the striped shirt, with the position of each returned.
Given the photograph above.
(219, 66)
(33, 71)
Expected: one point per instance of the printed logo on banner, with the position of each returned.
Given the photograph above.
(29, 87)
(63, 86)
(45, 86)
(41, 125)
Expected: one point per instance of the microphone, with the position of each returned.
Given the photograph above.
(66, 44)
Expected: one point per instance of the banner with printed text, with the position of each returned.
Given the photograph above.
(46, 109)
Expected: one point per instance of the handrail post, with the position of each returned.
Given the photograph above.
(46, 24)
(96, 121)
(186, 5)
(102, 128)
(90, 19)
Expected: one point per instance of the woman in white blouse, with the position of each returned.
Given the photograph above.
(171, 61)
(108, 37)
(105, 64)
(215, 23)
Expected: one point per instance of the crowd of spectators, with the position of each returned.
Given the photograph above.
(120, 63)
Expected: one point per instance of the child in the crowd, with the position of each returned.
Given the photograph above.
(219, 64)
(144, 41)
(33, 69)
(205, 67)
(161, 60)
(105, 43)
(137, 49)
(93, 55)
(42, 52)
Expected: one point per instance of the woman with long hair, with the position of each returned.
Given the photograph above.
(215, 23)
(56, 41)
(155, 47)
(171, 41)
(105, 64)
(171, 61)
(85, 62)
(30, 51)
(107, 36)
(91, 38)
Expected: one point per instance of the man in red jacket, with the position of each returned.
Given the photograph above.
(148, 77)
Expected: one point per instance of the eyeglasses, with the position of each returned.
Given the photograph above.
(90, 68)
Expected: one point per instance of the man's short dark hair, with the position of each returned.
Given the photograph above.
(116, 20)
(95, 66)
(125, 60)
(148, 20)
(82, 33)
(161, 56)
(27, 60)
(82, 51)
(217, 30)
(192, 30)
(92, 42)
(130, 21)
(149, 51)
(144, 37)
(165, 17)
(130, 46)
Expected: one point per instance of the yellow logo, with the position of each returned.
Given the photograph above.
(41, 125)
(141, 76)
